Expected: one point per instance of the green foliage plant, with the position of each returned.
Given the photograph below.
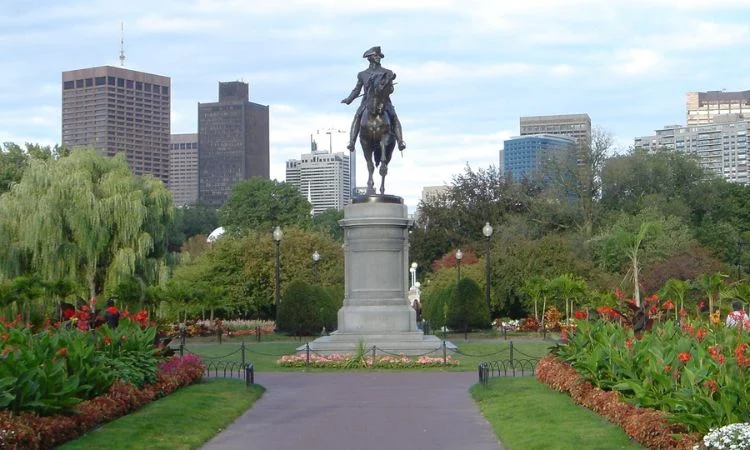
(467, 308)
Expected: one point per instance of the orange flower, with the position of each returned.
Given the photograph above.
(684, 357)
(668, 305)
(123, 338)
(107, 341)
(63, 351)
(667, 368)
(629, 343)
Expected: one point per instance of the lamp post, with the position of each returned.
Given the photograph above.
(316, 258)
(487, 232)
(277, 235)
(459, 256)
(413, 271)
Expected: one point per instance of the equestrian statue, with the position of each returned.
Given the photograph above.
(375, 121)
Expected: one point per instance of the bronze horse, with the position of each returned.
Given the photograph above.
(376, 133)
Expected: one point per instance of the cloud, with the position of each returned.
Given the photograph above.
(441, 71)
(699, 35)
(637, 61)
(178, 25)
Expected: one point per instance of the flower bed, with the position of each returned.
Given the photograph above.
(698, 373)
(31, 431)
(650, 427)
(345, 361)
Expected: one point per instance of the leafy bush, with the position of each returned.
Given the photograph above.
(435, 306)
(302, 309)
(467, 308)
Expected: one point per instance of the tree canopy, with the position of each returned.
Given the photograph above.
(84, 217)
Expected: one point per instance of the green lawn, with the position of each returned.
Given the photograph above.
(527, 415)
(264, 355)
(183, 420)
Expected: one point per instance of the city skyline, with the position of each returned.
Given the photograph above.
(466, 70)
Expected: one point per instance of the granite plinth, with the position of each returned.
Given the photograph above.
(376, 309)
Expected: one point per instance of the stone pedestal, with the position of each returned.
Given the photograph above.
(376, 310)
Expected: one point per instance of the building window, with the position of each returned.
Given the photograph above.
(68, 85)
(89, 82)
(111, 81)
(129, 84)
(120, 82)
(100, 81)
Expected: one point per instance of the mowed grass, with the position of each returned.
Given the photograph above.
(185, 419)
(527, 415)
(470, 353)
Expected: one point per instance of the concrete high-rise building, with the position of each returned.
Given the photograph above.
(702, 107)
(720, 146)
(524, 156)
(233, 142)
(576, 126)
(183, 168)
(323, 178)
(118, 110)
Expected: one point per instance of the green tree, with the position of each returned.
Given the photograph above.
(258, 204)
(676, 290)
(87, 218)
(328, 222)
(302, 309)
(569, 289)
(467, 309)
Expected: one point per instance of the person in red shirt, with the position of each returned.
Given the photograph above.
(738, 317)
(111, 314)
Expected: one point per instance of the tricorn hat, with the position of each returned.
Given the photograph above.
(373, 51)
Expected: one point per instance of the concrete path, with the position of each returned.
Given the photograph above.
(361, 411)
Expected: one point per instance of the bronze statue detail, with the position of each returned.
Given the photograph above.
(375, 120)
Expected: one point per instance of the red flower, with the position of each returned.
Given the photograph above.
(715, 352)
(701, 333)
(107, 341)
(711, 385)
(93, 300)
(63, 351)
(668, 305)
(667, 368)
(739, 353)
(581, 314)
(123, 338)
(684, 357)
(4, 336)
(629, 343)
(683, 313)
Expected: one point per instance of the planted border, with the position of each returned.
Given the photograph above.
(33, 432)
(649, 427)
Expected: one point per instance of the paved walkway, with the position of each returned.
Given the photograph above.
(361, 411)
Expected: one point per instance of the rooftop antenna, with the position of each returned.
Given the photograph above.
(122, 44)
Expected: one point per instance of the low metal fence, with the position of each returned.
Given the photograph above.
(512, 367)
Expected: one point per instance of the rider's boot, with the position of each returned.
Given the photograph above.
(353, 134)
(399, 135)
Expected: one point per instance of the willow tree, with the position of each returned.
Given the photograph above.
(86, 218)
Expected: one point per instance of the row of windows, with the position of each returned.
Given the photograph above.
(115, 81)
(183, 145)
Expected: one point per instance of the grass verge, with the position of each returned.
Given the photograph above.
(183, 420)
(527, 415)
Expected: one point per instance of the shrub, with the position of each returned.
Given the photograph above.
(467, 308)
(435, 307)
(302, 309)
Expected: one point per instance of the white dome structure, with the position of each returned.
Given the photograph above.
(216, 234)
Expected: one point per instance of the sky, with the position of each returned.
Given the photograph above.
(466, 69)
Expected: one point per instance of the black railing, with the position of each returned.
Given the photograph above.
(511, 367)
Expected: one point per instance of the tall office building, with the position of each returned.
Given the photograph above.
(323, 178)
(233, 142)
(721, 146)
(183, 168)
(576, 126)
(525, 156)
(702, 107)
(117, 110)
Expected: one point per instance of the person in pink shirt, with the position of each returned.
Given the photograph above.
(738, 317)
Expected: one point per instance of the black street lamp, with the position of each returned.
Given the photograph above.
(277, 235)
(316, 258)
(487, 232)
(459, 256)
